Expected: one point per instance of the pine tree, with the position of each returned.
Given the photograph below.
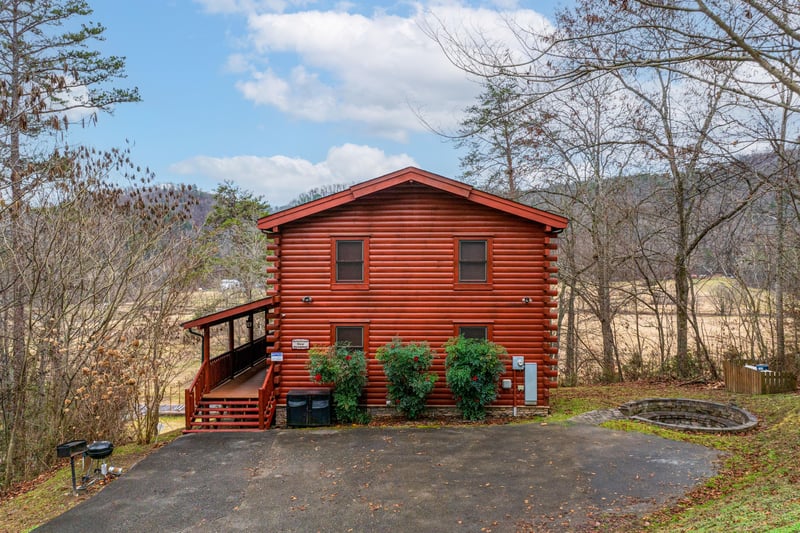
(50, 78)
(231, 227)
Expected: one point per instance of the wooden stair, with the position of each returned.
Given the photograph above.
(225, 414)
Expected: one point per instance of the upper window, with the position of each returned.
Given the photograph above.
(473, 262)
(350, 262)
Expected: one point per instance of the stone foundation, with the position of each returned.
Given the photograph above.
(432, 413)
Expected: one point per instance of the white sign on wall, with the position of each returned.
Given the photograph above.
(276, 357)
(300, 344)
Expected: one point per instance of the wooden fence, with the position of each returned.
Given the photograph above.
(748, 381)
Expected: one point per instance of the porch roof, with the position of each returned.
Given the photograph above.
(230, 314)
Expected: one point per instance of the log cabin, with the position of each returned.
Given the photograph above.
(410, 254)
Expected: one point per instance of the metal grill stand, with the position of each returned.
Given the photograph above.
(72, 449)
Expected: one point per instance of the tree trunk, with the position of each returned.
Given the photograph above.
(781, 360)
(604, 312)
(18, 371)
(682, 363)
(571, 378)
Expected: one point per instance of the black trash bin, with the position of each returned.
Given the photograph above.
(308, 407)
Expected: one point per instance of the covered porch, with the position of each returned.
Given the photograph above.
(233, 390)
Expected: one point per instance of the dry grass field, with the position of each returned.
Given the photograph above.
(731, 320)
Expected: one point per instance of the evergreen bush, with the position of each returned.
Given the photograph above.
(407, 371)
(473, 368)
(346, 371)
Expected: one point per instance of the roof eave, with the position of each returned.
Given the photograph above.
(411, 175)
(230, 314)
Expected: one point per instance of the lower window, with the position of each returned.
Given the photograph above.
(350, 336)
(473, 331)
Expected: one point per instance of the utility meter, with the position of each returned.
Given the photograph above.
(518, 362)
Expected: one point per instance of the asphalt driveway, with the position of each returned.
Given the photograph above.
(553, 477)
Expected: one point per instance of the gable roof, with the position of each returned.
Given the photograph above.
(412, 175)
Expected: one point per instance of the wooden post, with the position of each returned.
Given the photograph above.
(206, 356)
(231, 347)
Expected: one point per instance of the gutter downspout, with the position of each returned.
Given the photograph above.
(201, 343)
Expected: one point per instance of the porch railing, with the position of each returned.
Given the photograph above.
(227, 365)
(266, 399)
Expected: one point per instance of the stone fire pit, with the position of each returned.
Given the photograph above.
(690, 415)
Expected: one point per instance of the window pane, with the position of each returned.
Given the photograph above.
(350, 261)
(473, 272)
(353, 335)
(473, 251)
(349, 272)
(349, 250)
(473, 332)
(472, 261)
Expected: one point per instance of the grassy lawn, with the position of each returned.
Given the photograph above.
(52, 495)
(758, 488)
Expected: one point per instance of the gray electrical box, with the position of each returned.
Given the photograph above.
(530, 384)
(517, 362)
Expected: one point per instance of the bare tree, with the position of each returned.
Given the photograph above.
(775, 123)
(317, 192)
(759, 33)
(684, 76)
(593, 148)
(99, 263)
(47, 74)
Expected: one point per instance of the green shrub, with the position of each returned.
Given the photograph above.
(406, 367)
(346, 371)
(473, 367)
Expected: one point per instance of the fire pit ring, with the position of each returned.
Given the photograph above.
(690, 415)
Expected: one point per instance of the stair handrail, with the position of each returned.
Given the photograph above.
(265, 393)
(194, 393)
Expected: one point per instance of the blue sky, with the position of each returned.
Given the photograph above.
(282, 96)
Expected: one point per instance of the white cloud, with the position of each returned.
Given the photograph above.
(374, 70)
(237, 64)
(280, 179)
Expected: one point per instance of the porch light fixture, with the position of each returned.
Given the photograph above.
(307, 299)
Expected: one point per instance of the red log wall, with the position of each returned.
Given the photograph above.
(412, 293)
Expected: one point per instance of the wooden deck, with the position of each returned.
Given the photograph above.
(245, 385)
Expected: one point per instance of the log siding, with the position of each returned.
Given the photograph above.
(412, 289)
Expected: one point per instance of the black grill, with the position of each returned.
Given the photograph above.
(99, 449)
(73, 447)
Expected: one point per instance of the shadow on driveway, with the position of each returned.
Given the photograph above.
(498, 478)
